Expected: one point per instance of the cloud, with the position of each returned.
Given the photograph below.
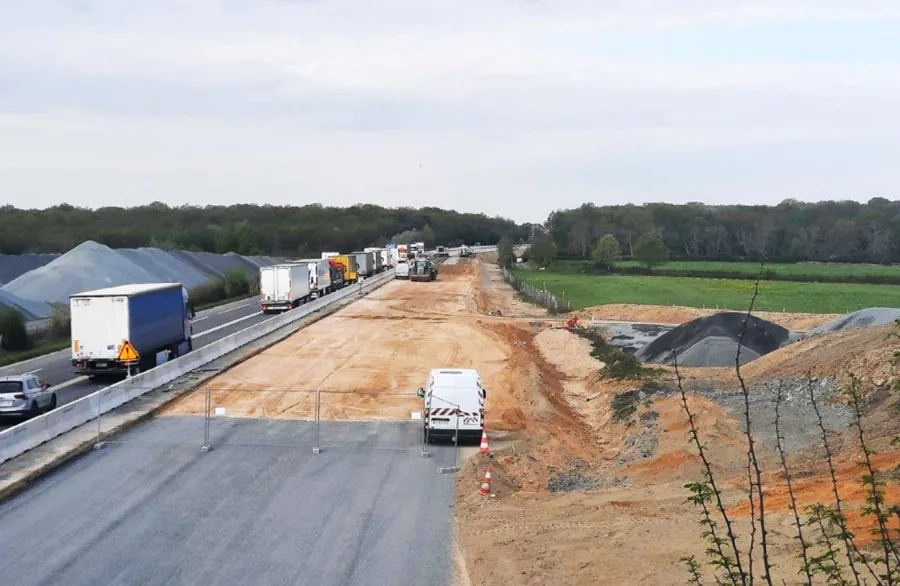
(512, 107)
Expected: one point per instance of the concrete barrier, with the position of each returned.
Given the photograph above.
(32, 433)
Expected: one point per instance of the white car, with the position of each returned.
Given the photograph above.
(25, 394)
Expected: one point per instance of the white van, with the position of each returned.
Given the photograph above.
(402, 270)
(453, 401)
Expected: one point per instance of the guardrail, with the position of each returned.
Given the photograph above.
(43, 428)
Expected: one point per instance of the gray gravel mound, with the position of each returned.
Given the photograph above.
(16, 265)
(864, 318)
(715, 351)
(92, 266)
(32, 310)
(713, 341)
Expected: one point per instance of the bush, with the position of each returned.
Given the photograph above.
(60, 324)
(12, 329)
(235, 283)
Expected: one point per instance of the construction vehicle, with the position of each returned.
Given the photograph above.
(453, 404)
(465, 251)
(422, 270)
(442, 252)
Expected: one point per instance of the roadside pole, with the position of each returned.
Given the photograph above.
(208, 401)
(317, 419)
(99, 444)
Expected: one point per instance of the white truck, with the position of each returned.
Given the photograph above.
(283, 287)
(330, 254)
(154, 319)
(453, 404)
(319, 276)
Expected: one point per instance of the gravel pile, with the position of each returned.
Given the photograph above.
(32, 310)
(713, 341)
(15, 265)
(864, 318)
(93, 266)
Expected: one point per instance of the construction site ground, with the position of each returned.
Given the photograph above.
(588, 473)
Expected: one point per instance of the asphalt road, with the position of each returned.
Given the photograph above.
(56, 368)
(259, 508)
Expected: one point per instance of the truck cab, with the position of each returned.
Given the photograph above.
(453, 404)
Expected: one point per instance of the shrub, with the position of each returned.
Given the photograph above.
(12, 329)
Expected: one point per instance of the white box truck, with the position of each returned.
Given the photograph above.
(319, 276)
(154, 318)
(453, 404)
(283, 287)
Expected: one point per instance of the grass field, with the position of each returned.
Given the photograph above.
(807, 269)
(587, 290)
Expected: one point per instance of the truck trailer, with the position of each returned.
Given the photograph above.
(283, 287)
(154, 318)
(366, 262)
(319, 276)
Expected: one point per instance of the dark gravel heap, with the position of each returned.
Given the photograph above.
(713, 341)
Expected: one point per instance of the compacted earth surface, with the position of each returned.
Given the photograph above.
(588, 470)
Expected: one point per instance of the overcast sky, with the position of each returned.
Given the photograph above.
(505, 107)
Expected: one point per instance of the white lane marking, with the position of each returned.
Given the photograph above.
(34, 371)
(70, 382)
(193, 321)
(217, 328)
(233, 308)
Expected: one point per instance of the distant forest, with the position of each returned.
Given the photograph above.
(246, 229)
(792, 231)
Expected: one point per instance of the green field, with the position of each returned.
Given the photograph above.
(587, 290)
(751, 269)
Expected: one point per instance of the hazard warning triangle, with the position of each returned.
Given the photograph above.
(127, 353)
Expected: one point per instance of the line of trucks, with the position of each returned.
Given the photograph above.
(283, 287)
(154, 319)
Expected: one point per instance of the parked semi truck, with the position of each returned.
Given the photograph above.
(338, 279)
(153, 318)
(283, 287)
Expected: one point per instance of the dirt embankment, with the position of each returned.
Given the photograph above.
(677, 315)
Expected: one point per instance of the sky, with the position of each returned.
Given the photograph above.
(507, 107)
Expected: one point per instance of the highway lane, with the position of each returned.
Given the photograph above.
(259, 508)
(56, 368)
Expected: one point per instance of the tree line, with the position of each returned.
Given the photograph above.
(792, 231)
(246, 229)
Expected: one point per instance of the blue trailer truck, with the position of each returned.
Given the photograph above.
(153, 318)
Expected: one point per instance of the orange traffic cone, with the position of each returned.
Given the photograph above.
(484, 443)
(485, 489)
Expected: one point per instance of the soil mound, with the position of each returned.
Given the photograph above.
(713, 341)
